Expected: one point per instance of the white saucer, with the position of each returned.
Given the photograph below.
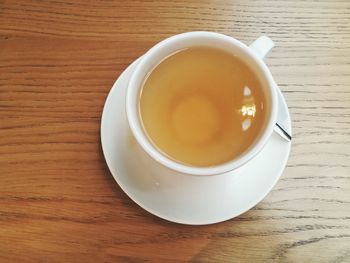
(181, 198)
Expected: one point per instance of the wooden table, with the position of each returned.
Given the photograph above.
(58, 201)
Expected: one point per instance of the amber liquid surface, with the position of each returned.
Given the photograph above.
(202, 106)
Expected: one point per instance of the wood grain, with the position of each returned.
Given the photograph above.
(58, 201)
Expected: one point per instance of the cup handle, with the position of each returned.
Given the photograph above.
(261, 47)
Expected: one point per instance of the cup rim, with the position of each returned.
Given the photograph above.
(142, 138)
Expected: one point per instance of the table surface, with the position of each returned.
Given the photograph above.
(58, 200)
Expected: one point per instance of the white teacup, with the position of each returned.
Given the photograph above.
(252, 56)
